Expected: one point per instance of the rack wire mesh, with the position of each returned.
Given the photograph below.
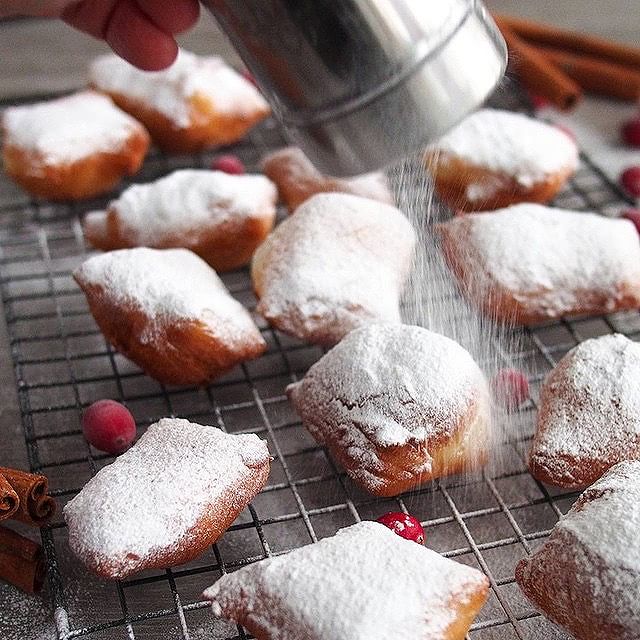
(62, 363)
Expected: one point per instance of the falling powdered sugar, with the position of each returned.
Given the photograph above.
(169, 91)
(70, 128)
(364, 582)
(152, 496)
(186, 203)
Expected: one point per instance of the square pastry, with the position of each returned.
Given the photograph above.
(364, 582)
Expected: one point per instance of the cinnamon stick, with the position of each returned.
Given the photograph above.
(580, 43)
(537, 73)
(595, 75)
(21, 561)
(9, 501)
(36, 507)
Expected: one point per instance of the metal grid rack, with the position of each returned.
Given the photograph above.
(62, 363)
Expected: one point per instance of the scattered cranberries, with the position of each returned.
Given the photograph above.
(404, 525)
(229, 164)
(632, 215)
(631, 132)
(108, 426)
(510, 388)
(630, 180)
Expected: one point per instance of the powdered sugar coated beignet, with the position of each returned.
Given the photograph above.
(341, 261)
(168, 311)
(72, 147)
(529, 263)
(397, 405)
(221, 217)
(197, 102)
(586, 576)
(589, 414)
(496, 158)
(168, 498)
(298, 179)
(364, 582)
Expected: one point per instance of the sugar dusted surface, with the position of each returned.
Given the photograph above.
(364, 582)
(169, 285)
(68, 129)
(594, 554)
(390, 384)
(548, 257)
(591, 404)
(514, 144)
(187, 202)
(339, 255)
(169, 91)
(152, 495)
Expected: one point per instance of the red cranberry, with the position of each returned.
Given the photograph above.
(229, 164)
(631, 132)
(108, 426)
(634, 216)
(404, 525)
(538, 102)
(630, 180)
(510, 388)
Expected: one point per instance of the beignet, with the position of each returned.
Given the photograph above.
(589, 413)
(168, 498)
(364, 582)
(71, 148)
(340, 262)
(529, 263)
(397, 406)
(495, 158)
(586, 576)
(198, 102)
(221, 217)
(168, 311)
(298, 179)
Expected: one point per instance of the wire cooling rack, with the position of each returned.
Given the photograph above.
(62, 363)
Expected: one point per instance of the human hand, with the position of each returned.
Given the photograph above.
(141, 31)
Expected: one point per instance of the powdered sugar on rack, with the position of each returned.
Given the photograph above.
(70, 128)
(364, 582)
(170, 91)
(152, 496)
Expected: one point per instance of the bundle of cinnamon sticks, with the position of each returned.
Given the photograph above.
(560, 65)
(23, 497)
